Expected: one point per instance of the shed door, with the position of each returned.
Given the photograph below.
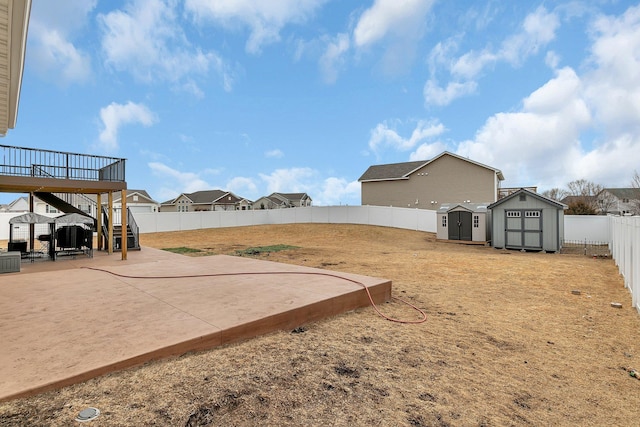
(460, 225)
(523, 229)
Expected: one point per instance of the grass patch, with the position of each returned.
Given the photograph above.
(264, 249)
(182, 250)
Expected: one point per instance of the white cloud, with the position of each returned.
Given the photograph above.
(337, 191)
(397, 26)
(265, 19)
(174, 182)
(573, 126)
(537, 30)
(384, 135)
(293, 180)
(115, 115)
(403, 18)
(274, 154)
(541, 140)
(242, 186)
(52, 28)
(334, 57)
(613, 84)
(146, 40)
(435, 95)
(470, 64)
(324, 192)
(428, 151)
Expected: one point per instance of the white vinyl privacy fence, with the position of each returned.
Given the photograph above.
(625, 248)
(412, 219)
(621, 233)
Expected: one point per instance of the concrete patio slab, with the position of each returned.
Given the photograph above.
(64, 322)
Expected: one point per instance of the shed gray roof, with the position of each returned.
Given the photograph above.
(530, 193)
(394, 171)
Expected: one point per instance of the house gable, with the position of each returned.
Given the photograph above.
(447, 178)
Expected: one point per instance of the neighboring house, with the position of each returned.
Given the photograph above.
(507, 191)
(584, 205)
(21, 204)
(619, 201)
(137, 201)
(447, 178)
(283, 200)
(210, 200)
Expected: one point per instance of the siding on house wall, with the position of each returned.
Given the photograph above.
(448, 180)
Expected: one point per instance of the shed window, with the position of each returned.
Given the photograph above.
(444, 221)
(532, 214)
(513, 214)
(476, 221)
(523, 197)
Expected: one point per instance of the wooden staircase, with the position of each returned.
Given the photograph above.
(133, 234)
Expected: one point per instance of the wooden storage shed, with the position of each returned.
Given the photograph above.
(527, 221)
(467, 222)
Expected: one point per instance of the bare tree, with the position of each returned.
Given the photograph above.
(555, 194)
(606, 202)
(635, 183)
(586, 192)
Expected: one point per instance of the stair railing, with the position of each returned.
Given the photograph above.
(133, 226)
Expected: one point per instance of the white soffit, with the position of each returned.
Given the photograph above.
(14, 22)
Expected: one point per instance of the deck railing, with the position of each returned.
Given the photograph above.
(31, 162)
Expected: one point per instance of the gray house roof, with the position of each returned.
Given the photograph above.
(293, 196)
(397, 171)
(530, 193)
(202, 197)
(624, 193)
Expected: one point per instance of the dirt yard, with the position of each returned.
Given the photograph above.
(507, 342)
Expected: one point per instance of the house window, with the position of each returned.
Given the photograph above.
(476, 221)
(51, 209)
(135, 198)
(513, 214)
(532, 214)
(444, 221)
(625, 200)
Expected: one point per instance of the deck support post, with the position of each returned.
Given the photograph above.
(123, 233)
(110, 226)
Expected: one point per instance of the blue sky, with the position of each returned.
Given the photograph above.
(303, 95)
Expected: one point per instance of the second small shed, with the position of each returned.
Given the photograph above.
(527, 221)
(466, 222)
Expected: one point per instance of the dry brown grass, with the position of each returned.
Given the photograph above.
(506, 343)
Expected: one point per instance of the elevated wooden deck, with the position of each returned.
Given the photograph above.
(27, 170)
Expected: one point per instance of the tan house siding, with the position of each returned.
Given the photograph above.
(447, 179)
